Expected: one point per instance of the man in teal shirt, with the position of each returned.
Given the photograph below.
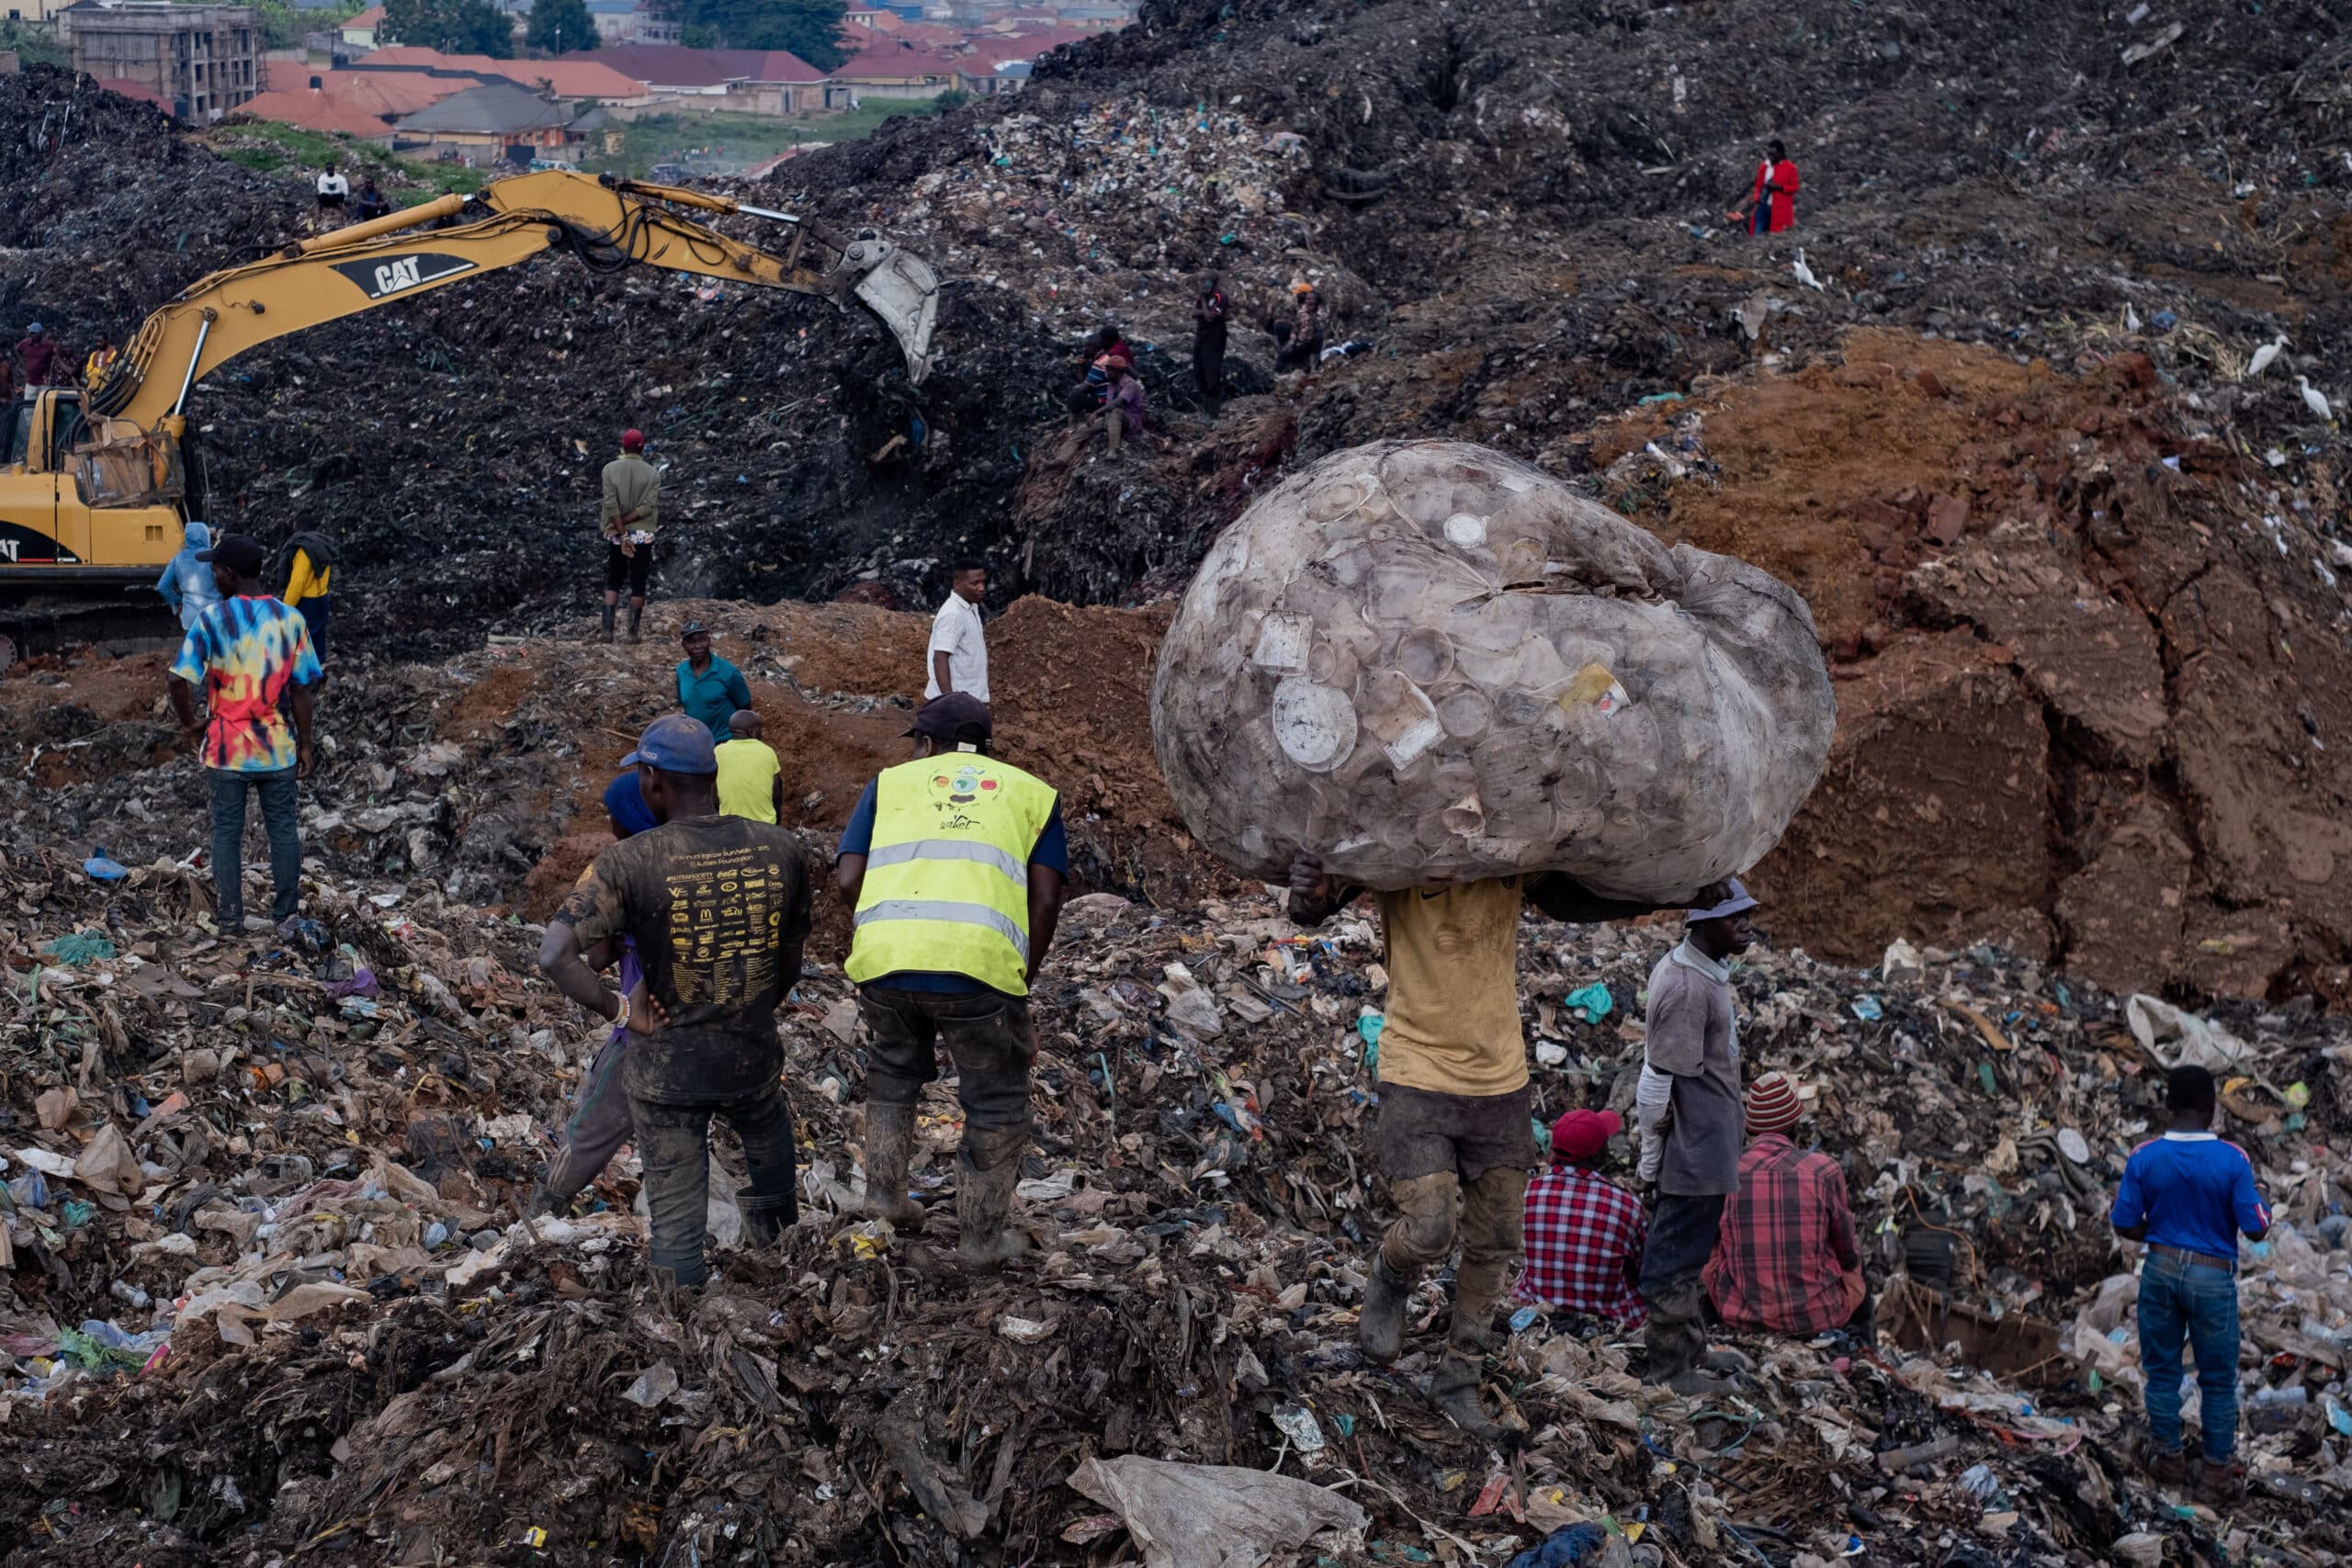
(709, 688)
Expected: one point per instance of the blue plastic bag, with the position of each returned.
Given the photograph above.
(100, 869)
(1566, 1547)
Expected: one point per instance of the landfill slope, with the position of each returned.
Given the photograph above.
(2019, 408)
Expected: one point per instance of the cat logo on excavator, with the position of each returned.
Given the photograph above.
(383, 279)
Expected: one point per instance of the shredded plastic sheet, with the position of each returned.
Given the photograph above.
(1425, 661)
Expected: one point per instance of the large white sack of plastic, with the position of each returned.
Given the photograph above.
(1424, 662)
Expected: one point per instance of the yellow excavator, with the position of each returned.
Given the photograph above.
(93, 491)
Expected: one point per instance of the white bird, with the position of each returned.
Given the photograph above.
(2265, 354)
(2131, 318)
(2315, 399)
(1804, 273)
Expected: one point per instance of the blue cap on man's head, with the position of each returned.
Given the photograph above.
(1738, 903)
(675, 744)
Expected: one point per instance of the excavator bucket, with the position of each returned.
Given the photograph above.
(899, 287)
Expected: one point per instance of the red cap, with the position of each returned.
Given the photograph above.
(632, 441)
(1581, 1134)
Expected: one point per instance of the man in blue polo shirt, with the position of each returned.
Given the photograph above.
(2187, 1195)
(710, 689)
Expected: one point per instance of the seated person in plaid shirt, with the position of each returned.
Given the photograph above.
(1786, 1259)
(1583, 1234)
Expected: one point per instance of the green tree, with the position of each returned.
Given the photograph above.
(34, 46)
(453, 26)
(559, 25)
(809, 28)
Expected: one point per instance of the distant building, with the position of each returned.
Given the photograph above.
(204, 59)
(37, 11)
(483, 125)
(136, 93)
(586, 76)
(741, 81)
(629, 21)
(313, 110)
(360, 31)
(896, 71)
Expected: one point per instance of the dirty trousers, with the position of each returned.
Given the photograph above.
(674, 1143)
(1682, 1237)
(988, 1035)
(1444, 1152)
(600, 1123)
(278, 793)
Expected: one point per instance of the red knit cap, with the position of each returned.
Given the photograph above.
(632, 441)
(1772, 1105)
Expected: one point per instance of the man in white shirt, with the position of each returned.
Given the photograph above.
(960, 650)
(333, 188)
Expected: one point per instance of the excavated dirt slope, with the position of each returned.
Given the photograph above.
(2077, 567)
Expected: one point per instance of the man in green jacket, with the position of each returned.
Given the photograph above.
(631, 507)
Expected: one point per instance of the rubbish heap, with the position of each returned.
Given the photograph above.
(265, 1286)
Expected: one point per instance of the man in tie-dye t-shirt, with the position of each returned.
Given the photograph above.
(253, 657)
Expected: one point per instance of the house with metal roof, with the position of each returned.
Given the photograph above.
(485, 124)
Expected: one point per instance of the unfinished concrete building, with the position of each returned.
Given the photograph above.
(203, 59)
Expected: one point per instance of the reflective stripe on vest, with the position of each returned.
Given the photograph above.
(941, 909)
(946, 887)
(951, 848)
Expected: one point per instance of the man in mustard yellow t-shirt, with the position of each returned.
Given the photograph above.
(1456, 1115)
(751, 780)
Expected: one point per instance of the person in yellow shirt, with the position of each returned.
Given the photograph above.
(751, 780)
(1457, 1128)
(310, 584)
(101, 361)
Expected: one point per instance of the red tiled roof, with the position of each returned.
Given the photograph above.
(124, 87)
(372, 18)
(894, 62)
(673, 65)
(388, 94)
(572, 78)
(313, 110)
(568, 77)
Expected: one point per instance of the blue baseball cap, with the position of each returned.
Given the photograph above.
(675, 744)
(1738, 903)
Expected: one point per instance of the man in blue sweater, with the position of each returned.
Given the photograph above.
(2187, 1195)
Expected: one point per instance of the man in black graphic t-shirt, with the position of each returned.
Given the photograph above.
(719, 909)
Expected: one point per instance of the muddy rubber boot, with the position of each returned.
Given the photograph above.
(986, 1169)
(607, 636)
(1673, 1337)
(765, 1219)
(636, 616)
(890, 1151)
(1380, 1327)
(1454, 1389)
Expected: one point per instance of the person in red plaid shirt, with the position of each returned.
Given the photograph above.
(1583, 1234)
(1786, 1259)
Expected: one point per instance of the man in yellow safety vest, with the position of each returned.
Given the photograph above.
(954, 863)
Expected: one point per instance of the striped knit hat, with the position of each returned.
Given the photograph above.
(1772, 1105)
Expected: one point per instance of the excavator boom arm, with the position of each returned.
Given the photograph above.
(607, 224)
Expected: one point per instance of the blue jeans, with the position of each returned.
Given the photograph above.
(277, 790)
(2195, 1302)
